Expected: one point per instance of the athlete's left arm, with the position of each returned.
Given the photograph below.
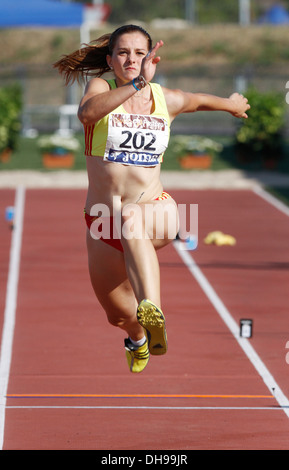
(179, 102)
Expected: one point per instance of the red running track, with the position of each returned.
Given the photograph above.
(69, 386)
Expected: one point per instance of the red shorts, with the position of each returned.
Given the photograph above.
(115, 242)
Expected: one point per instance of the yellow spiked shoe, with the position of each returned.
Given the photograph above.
(137, 357)
(152, 319)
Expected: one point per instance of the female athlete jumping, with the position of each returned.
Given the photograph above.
(129, 216)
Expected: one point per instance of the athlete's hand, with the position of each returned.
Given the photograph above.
(150, 61)
(240, 105)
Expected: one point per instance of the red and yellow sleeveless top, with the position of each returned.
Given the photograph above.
(131, 139)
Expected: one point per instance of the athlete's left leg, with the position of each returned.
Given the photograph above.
(146, 228)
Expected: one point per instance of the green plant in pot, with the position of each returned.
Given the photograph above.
(195, 151)
(58, 150)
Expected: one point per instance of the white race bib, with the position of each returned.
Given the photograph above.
(135, 139)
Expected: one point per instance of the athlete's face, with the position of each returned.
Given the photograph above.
(127, 56)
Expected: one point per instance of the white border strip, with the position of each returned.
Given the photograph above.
(10, 306)
(233, 326)
(84, 407)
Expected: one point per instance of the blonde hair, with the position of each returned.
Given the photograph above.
(90, 60)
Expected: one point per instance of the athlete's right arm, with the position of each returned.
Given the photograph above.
(99, 100)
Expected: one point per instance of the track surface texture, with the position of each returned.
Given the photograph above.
(65, 383)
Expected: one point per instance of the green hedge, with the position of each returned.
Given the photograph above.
(261, 135)
(10, 112)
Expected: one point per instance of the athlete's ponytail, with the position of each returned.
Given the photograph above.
(88, 61)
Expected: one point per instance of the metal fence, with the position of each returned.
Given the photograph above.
(50, 106)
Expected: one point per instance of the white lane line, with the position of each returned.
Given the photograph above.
(10, 305)
(233, 326)
(272, 200)
(84, 407)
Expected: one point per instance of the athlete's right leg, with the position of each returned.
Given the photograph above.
(112, 288)
(115, 294)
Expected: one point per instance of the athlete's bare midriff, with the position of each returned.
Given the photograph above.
(109, 182)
